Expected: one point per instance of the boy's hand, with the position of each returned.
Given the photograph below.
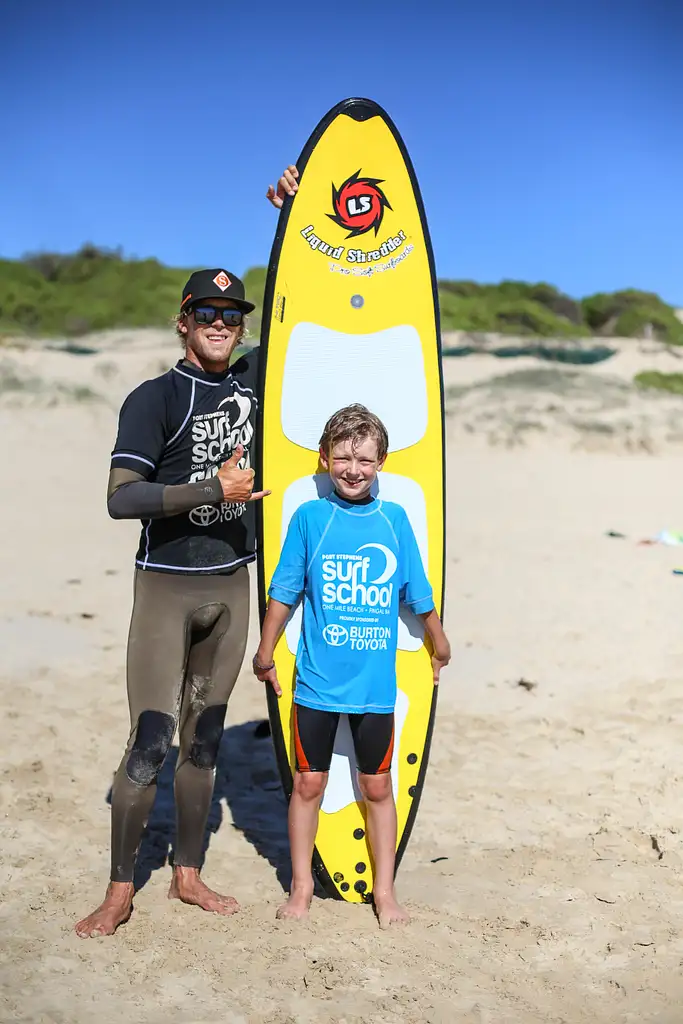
(437, 645)
(286, 186)
(267, 673)
(440, 659)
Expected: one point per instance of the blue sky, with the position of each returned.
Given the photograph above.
(545, 133)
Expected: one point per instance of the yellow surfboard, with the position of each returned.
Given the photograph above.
(351, 315)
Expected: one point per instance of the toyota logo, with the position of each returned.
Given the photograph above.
(335, 635)
(205, 515)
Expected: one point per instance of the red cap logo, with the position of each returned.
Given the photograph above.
(359, 204)
(222, 280)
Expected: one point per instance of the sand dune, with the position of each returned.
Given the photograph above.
(545, 867)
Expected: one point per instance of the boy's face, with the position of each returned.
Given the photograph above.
(353, 467)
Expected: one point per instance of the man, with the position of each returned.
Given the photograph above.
(182, 464)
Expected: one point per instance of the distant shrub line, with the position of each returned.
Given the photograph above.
(95, 289)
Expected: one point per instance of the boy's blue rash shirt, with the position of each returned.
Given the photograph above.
(353, 564)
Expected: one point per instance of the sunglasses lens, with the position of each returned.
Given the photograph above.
(207, 315)
(204, 314)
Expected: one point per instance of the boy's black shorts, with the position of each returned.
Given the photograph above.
(314, 733)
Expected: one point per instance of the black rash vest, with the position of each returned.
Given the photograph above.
(180, 428)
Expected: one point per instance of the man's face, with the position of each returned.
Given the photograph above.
(212, 343)
(353, 467)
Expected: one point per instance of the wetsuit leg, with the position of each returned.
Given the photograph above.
(157, 652)
(218, 641)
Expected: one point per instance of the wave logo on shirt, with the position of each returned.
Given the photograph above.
(238, 427)
(347, 579)
(237, 410)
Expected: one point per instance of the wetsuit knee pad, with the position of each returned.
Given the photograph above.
(207, 736)
(152, 741)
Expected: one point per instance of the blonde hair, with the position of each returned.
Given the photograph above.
(354, 423)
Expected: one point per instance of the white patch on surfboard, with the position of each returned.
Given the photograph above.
(391, 487)
(342, 787)
(322, 375)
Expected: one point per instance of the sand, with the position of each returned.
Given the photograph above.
(544, 872)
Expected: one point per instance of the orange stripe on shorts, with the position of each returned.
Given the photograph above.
(301, 759)
(386, 763)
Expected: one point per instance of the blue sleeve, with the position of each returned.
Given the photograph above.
(289, 577)
(415, 591)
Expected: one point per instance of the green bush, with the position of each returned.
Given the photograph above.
(255, 284)
(662, 321)
(464, 288)
(509, 309)
(524, 316)
(93, 289)
(672, 382)
(632, 313)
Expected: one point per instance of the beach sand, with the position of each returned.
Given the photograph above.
(545, 867)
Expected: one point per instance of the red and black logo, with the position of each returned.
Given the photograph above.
(359, 204)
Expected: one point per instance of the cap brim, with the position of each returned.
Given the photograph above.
(246, 307)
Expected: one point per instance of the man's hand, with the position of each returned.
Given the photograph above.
(267, 674)
(238, 484)
(286, 186)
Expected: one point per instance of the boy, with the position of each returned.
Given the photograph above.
(368, 544)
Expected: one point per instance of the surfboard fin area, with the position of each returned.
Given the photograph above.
(351, 315)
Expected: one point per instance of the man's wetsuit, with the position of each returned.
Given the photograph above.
(190, 614)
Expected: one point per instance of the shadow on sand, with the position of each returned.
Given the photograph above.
(247, 779)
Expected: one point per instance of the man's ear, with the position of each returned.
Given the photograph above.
(324, 461)
(380, 464)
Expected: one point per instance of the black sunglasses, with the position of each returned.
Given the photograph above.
(207, 315)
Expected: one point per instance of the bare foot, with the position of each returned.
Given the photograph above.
(389, 911)
(187, 886)
(297, 905)
(114, 910)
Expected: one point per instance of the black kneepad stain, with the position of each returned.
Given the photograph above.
(152, 740)
(207, 736)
